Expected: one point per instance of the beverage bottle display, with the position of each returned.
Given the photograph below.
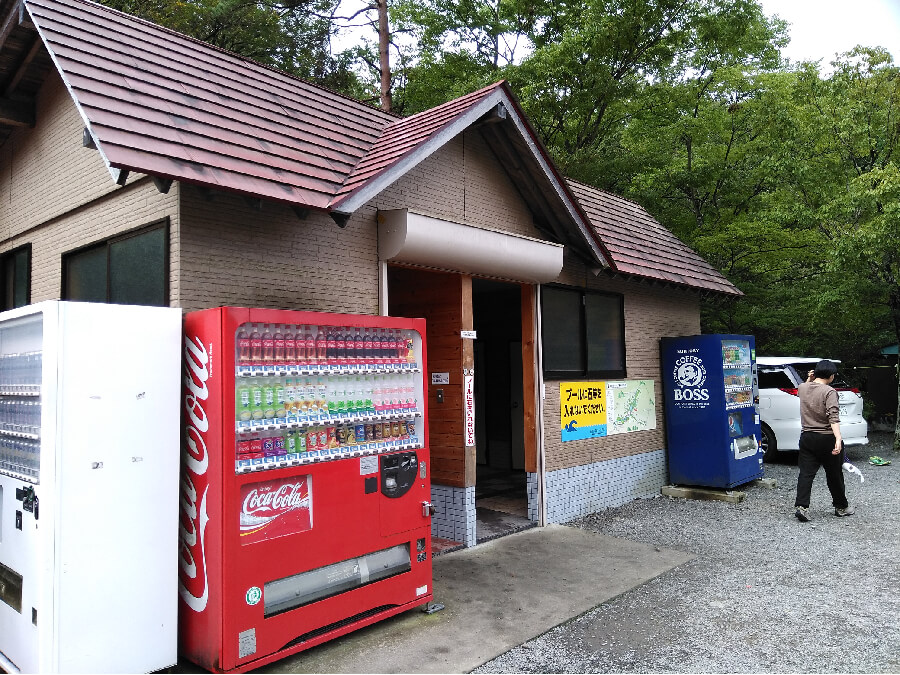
(256, 346)
(268, 346)
(340, 347)
(278, 345)
(243, 407)
(321, 346)
(244, 351)
(256, 400)
(339, 398)
(290, 442)
(330, 346)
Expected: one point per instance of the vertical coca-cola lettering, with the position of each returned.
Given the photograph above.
(193, 581)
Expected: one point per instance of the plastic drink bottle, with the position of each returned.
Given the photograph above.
(312, 405)
(359, 403)
(290, 399)
(280, 409)
(278, 345)
(378, 394)
(368, 348)
(290, 442)
(392, 348)
(268, 346)
(256, 346)
(359, 348)
(321, 398)
(243, 409)
(410, 348)
(368, 402)
(290, 346)
(340, 347)
(268, 392)
(256, 400)
(350, 396)
(309, 352)
(244, 351)
(321, 346)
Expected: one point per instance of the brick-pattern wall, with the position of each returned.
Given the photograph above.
(236, 254)
(580, 490)
(454, 513)
(651, 312)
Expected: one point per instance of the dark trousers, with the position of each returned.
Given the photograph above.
(815, 451)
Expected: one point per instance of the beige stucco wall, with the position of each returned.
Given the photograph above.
(59, 196)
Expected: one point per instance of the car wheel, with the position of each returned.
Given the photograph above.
(769, 445)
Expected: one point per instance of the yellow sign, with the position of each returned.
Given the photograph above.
(582, 408)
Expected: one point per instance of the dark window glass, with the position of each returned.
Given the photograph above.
(86, 275)
(136, 274)
(605, 333)
(583, 333)
(774, 379)
(130, 270)
(562, 331)
(15, 274)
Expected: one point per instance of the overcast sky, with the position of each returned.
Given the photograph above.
(821, 28)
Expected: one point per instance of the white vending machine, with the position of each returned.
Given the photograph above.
(89, 485)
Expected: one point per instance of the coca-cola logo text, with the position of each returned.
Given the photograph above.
(195, 463)
(288, 496)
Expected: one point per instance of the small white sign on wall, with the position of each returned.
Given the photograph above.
(468, 335)
(440, 378)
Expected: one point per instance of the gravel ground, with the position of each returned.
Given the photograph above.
(766, 593)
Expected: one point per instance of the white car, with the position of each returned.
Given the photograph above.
(779, 404)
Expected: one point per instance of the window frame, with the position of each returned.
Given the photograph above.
(106, 244)
(585, 371)
(9, 257)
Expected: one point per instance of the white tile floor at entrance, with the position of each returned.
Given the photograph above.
(497, 595)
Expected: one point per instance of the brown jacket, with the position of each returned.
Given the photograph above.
(819, 407)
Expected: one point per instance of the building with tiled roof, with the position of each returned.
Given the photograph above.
(140, 166)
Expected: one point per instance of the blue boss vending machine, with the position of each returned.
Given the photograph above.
(712, 410)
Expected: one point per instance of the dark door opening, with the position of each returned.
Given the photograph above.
(501, 498)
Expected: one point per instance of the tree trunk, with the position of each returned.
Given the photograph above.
(384, 40)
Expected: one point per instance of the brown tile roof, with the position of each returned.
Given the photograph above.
(642, 247)
(161, 103)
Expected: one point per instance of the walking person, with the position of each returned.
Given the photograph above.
(820, 440)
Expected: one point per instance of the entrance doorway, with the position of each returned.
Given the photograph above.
(479, 481)
(501, 490)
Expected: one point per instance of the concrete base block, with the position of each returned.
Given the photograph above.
(766, 483)
(732, 496)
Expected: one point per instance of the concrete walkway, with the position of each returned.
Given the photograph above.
(497, 595)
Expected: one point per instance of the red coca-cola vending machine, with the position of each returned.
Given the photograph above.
(305, 489)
